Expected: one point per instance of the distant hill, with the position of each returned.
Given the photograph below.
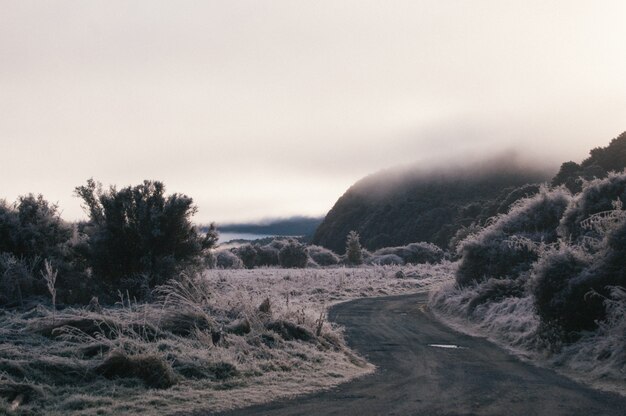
(401, 206)
(600, 162)
(293, 226)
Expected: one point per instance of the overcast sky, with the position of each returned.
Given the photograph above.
(273, 108)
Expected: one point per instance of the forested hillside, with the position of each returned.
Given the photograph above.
(397, 207)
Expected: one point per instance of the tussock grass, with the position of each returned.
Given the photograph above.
(152, 369)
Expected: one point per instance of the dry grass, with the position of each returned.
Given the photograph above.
(225, 339)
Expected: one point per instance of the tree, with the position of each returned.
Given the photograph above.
(138, 237)
(353, 248)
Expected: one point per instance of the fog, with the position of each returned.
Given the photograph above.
(465, 169)
(274, 108)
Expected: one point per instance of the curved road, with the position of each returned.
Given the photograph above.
(414, 378)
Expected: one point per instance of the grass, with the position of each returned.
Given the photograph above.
(225, 339)
(597, 358)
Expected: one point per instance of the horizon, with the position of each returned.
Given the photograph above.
(261, 110)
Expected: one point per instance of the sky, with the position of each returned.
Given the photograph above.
(262, 109)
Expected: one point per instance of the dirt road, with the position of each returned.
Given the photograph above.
(419, 373)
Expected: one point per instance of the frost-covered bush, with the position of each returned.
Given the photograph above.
(567, 297)
(597, 196)
(248, 255)
(495, 290)
(570, 284)
(601, 353)
(414, 253)
(322, 256)
(385, 259)
(267, 255)
(509, 245)
(554, 288)
(293, 255)
(225, 259)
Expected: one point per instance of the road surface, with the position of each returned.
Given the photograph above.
(414, 377)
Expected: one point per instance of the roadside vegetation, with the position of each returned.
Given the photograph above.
(547, 278)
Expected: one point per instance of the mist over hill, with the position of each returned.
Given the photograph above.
(293, 226)
(404, 205)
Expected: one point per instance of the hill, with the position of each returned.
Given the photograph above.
(293, 226)
(401, 206)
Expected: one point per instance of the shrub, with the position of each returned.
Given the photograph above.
(248, 255)
(32, 229)
(31, 232)
(414, 253)
(267, 255)
(386, 259)
(293, 255)
(509, 245)
(597, 196)
(555, 297)
(322, 256)
(139, 233)
(17, 280)
(495, 290)
(570, 284)
(227, 260)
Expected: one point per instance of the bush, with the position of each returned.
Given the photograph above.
(293, 255)
(414, 253)
(386, 259)
(509, 245)
(556, 299)
(32, 228)
(495, 290)
(596, 196)
(322, 256)
(248, 255)
(267, 255)
(17, 280)
(139, 233)
(31, 231)
(228, 260)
